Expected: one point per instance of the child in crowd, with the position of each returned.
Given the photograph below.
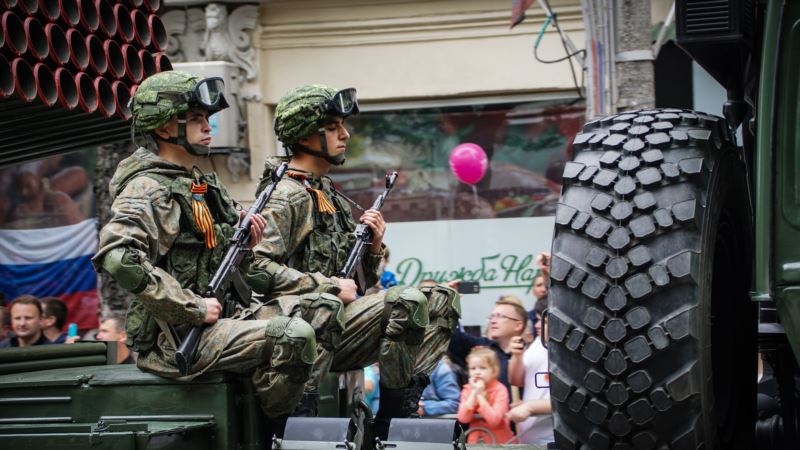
(486, 396)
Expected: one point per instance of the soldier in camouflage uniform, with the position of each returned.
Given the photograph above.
(170, 228)
(309, 235)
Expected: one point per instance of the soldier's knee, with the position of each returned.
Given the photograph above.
(293, 345)
(444, 305)
(405, 314)
(325, 313)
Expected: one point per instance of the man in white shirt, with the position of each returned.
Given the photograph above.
(534, 414)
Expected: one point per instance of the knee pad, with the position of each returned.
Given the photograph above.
(405, 314)
(325, 313)
(292, 345)
(444, 305)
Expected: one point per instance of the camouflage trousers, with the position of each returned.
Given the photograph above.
(277, 351)
(378, 328)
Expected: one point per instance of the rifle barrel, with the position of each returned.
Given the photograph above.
(364, 237)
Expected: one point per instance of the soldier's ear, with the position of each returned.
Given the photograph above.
(163, 131)
(311, 141)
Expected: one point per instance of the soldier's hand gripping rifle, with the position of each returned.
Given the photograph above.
(353, 267)
(228, 275)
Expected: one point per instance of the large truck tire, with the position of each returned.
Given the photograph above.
(652, 332)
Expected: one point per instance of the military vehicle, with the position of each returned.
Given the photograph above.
(76, 397)
(676, 254)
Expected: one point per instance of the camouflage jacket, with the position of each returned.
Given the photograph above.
(149, 220)
(302, 248)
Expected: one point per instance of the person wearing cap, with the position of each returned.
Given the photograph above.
(308, 236)
(170, 227)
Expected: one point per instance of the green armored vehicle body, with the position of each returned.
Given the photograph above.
(63, 397)
(67, 397)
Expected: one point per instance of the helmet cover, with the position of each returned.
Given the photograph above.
(298, 113)
(150, 110)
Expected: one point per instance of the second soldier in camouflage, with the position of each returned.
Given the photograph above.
(306, 241)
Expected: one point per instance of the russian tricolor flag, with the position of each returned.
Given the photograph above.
(53, 262)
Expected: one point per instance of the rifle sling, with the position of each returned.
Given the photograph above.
(168, 331)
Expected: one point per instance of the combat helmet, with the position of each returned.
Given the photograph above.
(305, 109)
(166, 94)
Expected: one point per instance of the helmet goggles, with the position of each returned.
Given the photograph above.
(342, 103)
(208, 93)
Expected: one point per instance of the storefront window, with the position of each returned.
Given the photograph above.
(526, 144)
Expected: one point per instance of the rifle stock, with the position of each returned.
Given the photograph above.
(363, 233)
(228, 275)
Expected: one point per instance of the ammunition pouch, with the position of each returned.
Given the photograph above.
(141, 328)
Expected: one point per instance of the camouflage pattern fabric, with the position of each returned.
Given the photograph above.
(149, 222)
(279, 363)
(297, 114)
(376, 330)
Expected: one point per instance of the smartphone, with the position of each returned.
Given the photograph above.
(469, 287)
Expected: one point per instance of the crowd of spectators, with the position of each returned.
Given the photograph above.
(495, 384)
(29, 320)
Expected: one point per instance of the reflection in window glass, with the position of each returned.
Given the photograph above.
(47, 193)
(527, 145)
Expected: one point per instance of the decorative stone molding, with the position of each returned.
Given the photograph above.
(284, 25)
(213, 34)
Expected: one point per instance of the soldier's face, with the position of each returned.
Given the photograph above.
(336, 136)
(25, 320)
(198, 130)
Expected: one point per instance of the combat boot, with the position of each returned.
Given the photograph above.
(402, 403)
(413, 393)
(308, 405)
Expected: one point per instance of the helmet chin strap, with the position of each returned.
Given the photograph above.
(193, 149)
(336, 160)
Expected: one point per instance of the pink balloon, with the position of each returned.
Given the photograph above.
(468, 162)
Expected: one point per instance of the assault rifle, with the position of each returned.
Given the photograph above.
(353, 267)
(228, 275)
